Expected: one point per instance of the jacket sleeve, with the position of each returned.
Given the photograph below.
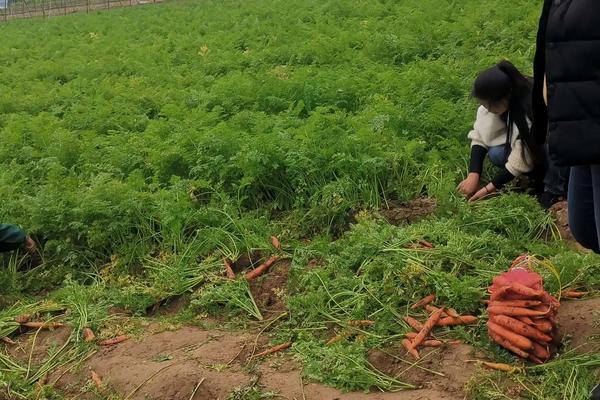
(539, 128)
(519, 160)
(476, 135)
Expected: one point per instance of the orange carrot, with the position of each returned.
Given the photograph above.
(521, 328)
(540, 351)
(452, 313)
(519, 260)
(516, 339)
(455, 342)
(514, 311)
(499, 367)
(413, 323)
(337, 338)
(97, 381)
(258, 271)
(462, 320)
(21, 319)
(423, 302)
(523, 290)
(431, 343)
(42, 325)
(543, 325)
(361, 323)
(412, 335)
(228, 269)
(8, 340)
(410, 349)
(427, 327)
(526, 320)
(425, 244)
(274, 349)
(275, 242)
(573, 294)
(508, 345)
(535, 359)
(515, 303)
(112, 342)
(431, 309)
(88, 335)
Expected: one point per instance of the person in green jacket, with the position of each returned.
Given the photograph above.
(13, 238)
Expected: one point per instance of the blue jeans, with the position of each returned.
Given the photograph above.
(584, 205)
(555, 178)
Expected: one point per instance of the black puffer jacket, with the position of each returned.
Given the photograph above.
(568, 53)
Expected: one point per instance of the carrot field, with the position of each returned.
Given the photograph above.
(145, 148)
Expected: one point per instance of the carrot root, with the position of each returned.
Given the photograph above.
(42, 325)
(261, 269)
(423, 302)
(228, 269)
(461, 320)
(8, 340)
(521, 328)
(515, 339)
(97, 381)
(363, 323)
(427, 327)
(274, 349)
(88, 335)
(508, 345)
(515, 311)
(413, 323)
(500, 367)
(408, 345)
(275, 242)
(114, 341)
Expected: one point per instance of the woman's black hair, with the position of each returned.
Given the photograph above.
(505, 81)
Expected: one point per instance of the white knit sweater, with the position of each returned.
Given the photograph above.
(490, 130)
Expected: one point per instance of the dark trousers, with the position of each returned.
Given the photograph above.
(584, 205)
(11, 237)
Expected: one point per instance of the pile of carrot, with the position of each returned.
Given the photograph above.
(422, 335)
(522, 319)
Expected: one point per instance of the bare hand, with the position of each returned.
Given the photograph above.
(469, 185)
(485, 191)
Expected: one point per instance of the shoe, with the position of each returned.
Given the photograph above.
(548, 199)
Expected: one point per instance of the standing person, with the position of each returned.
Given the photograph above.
(566, 105)
(502, 131)
(12, 238)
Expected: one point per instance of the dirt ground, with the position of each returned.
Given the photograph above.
(212, 363)
(411, 211)
(171, 364)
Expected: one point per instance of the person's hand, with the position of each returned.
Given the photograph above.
(485, 191)
(469, 185)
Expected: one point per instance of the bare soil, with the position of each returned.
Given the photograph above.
(579, 323)
(409, 212)
(269, 291)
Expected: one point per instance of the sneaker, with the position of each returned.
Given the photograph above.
(548, 199)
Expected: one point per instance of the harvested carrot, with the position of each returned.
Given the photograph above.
(540, 351)
(42, 325)
(515, 339)
(408, 345)
(461, 320)
(431, 309)
(275, 242)
(455, 342)
(431, 343)
(258, 271)
(112, 342)
(500, 367)
(88, 335)
(535, 359)
(22, 319)
(97, 381)
(515, 311)
(228, 269)
(274, 349)
(413, 323)
(337, 338)
(452, 313)
(523, 290)
(427, 327)
(515, 303)
(573, 294)
(361, 323)
(543, 325)
(423, 302)
(508, 345)
(526, 320)
(412, 335)
(521, 328)
(425, 244)
(8, 340)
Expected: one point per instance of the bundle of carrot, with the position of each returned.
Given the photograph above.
(522, 316)
(438, 317)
